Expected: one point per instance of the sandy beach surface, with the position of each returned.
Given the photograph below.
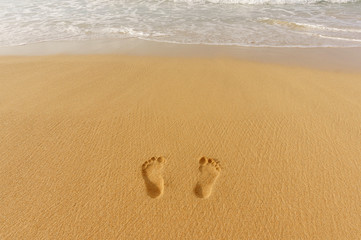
(325, 58)
(130, 147)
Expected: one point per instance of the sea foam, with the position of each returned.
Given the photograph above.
(257, 2)
(255, 23)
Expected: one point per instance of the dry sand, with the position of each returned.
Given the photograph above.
(282, 149)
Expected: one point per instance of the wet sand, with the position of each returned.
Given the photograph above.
(325, 58)
(131, 147)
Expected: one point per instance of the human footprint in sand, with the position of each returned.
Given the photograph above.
(210, 170)
(152, 171)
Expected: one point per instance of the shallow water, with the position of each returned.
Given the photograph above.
(259, 23)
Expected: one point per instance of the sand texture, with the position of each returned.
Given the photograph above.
(210, 170)
(152, 171)
(116, 147)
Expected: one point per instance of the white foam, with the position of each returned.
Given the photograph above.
(259, 2)
(332, 29)
(270, 23)
(340, 38)
(308, 25)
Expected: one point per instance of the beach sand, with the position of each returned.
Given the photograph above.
(129, 147)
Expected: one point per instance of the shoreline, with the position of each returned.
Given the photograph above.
(324, 58)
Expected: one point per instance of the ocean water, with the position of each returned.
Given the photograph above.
(256, 23)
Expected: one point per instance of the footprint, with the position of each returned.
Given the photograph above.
(152, 171)
(210, 170)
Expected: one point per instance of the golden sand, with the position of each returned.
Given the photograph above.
(78, 134)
